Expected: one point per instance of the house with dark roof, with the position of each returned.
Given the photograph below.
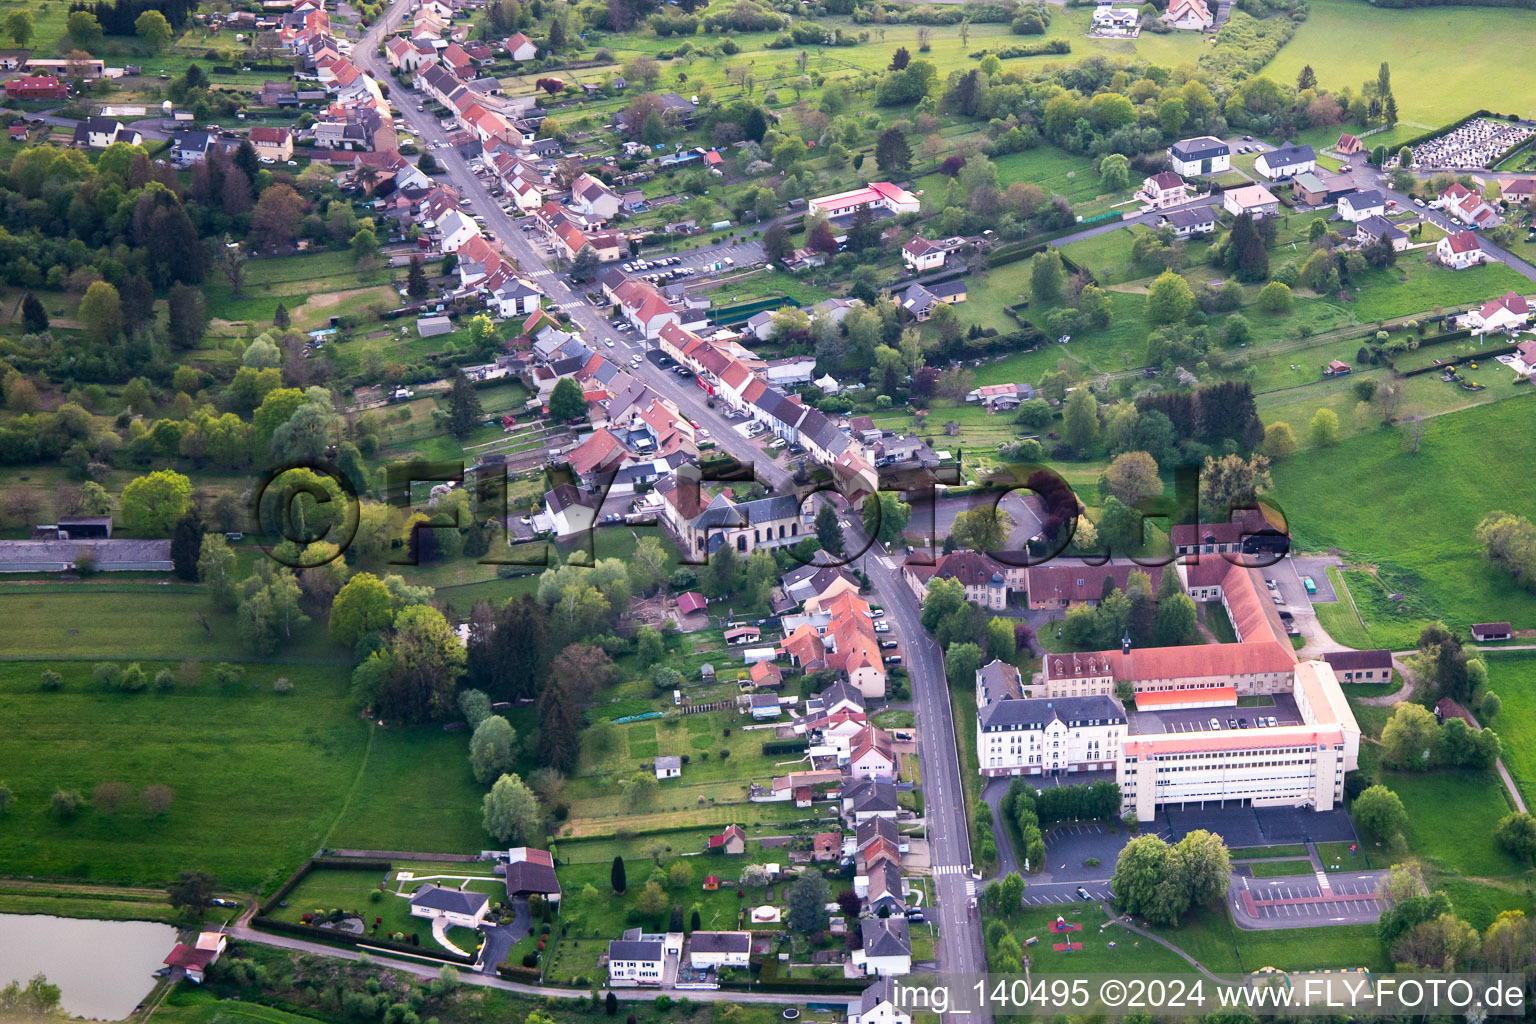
(637, 961)
(571, 511)
(1203, 155)
(1373, 229)
(1487, 631)
(1063, 585)
(463, 908)
(886, 949)
(1357, 206)
(708, 950)
(1163, 190)
(1049, 736)
(531, 872)
(1189, 223)
(101, 132)
(869, 798)
(745, 526)
(877, 1005)
(1285, 162)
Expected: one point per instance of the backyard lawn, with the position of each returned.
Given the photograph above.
(1451, 818)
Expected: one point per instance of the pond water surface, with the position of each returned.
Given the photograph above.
(103, 968)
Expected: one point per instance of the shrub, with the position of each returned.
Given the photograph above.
(52, 681)
(66, 803)
(165, 679)
(107, 673)
(283, 686)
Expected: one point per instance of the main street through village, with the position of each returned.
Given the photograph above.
(959, 942)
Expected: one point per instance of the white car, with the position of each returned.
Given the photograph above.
(1215, 723)
(882, 626)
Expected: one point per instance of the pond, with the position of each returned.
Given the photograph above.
(103, 968)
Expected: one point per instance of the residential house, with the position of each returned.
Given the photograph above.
(765, 675)
(883, 889)
(1254, 200)
(1163, 190)
(864, 799)
(1518, 191)
(877, 1005)
(520, 48)
(886, 949)
(1361, 666)
(1285, 162)
(1310, 190)
(1202, 155)
(986, 580)
(1507, 312)
(1459, 251)
(669, 767)
(1116, 22)
(919, 301)
(457, 229)
(190, 145)
(36, 87)
(1357, 206)
(195, 959)
(594, 199)
(732, 842)
(841, 696)
(463, 908)
(1468, 206)
(719, 949)
(343, 135)
(1000, 396)
(513, 296)
(101, 132)
(571, 511)
(1189, 223)
(272, 145)
(635, 962)
(950, 292)
(1193, 15)
(1373, 229)
(920, 255)
(872, 755)
(531, 872)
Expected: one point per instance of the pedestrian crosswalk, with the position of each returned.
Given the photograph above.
(952, 869)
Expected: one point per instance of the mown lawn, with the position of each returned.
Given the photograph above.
(258, 777)
(1130, 954)
(1451, 818)
(1513, 677)
(124, 621)
(1412, 516)
(1346, 41)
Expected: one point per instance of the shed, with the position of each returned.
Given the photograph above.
(1492, 631)
(691, 602)
(432, 326)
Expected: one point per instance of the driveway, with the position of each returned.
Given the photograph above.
(499, 939)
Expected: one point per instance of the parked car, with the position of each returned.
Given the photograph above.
(894, 659)
(1215, 723)
(1084, 894)
(888, 645)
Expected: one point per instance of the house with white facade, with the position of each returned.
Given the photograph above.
(1461, 250)
(462, 908)
(639, 961)
(1254, 200)
(1357, 206)
(457, 229)
(719, 949)
(1116, 22)
(1049, 736)
(877, 195)
(1201, 155)
(1191, 15)
(1162, 190)
(1285, 162)
(887, 947)
(877, 1005)
(920, 254)
(1507, 312)
(520, 47)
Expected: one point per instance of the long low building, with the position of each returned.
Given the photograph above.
(102, 555)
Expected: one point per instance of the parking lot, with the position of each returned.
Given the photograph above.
(1240, 825)
(1143, 723)
(1305, 901)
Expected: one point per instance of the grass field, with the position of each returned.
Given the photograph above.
(1513, 677)
(1280, 868)
(258, 778)
(1451, 818)
(127, 621)
(1412, 516)
(1347, 40)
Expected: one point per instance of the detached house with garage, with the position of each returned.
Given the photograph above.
(886, 949)
(1192, 15)
(1373, 229)
(637, 961)
(1507, 312)
(920, 254)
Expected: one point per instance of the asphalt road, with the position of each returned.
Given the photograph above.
(959, 949)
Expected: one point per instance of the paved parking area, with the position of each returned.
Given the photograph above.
(1042, 893)
(1305, 900)
(1317, 568)
(1069, 846)
(1142, 723)
(1243, 826)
